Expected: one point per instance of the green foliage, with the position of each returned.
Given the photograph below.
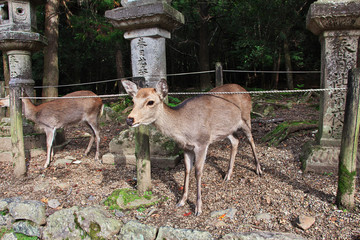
(127, 195)
(173, 101)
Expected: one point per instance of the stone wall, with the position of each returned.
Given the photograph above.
(95, 222)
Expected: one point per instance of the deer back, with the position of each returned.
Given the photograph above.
(65, 111)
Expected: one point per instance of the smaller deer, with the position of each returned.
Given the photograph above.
(63, 112)
(195, 124)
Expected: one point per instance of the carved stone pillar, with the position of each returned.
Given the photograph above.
(338, 25)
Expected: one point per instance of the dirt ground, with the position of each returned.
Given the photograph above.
(282, 194)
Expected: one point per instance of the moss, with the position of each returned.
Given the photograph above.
(128, 196)
(345, 183)
(94, 230)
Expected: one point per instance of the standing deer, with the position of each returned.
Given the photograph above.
(195, 124)
(63, 112)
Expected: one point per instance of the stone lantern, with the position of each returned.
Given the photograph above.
(337, 23)
(18, 39)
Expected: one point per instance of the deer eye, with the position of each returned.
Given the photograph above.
(150, 103)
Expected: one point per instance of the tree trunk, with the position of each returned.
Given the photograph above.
(205, 79)
(51, 68)
(276, 68)
(119, 68)
(349, 144)
(289, 75)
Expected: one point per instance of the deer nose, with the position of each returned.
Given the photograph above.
(130, 121)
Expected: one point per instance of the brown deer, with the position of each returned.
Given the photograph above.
(63, 112)
(195, 124)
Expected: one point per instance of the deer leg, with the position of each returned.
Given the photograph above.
(234, 146)
(95, 134)
(248, 134)
(50, 134)
(200, 156)
(188, 159)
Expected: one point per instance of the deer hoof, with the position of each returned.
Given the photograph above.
(180, 204)
(198, 213)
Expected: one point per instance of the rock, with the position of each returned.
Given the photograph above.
(98, 223)
(53, 203)
(263, 216)
(229, 213)
(262, 236)
(119, 213)
(62, 225)
(29, 210)
(305, 222)
(164, 151)
(62, 162)
(9, 236)
(174, 234)
(136, 230)
(27, 228)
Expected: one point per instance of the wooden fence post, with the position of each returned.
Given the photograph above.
(349, 143)
(16, 129)
(142, 153)
(219, 80)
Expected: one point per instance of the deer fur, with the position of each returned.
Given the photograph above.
(195, 124)
(62, 112)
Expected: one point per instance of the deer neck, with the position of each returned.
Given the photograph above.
(30, 110)
(168, 122)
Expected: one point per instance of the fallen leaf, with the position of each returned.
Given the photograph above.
(44, 200)
(222, 216)
(187, 214)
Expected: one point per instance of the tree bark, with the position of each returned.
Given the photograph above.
(119, 68)
(205, 79)
(51, 66)
(289, 75)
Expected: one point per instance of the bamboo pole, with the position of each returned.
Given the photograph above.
(349, 143)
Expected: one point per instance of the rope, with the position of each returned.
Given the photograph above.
(202, 93)
(170, 75)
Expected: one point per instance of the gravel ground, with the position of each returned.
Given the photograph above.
(272, 202)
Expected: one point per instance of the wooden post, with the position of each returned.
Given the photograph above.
(349, 143)
(142, 152)
(16, 129)
(219, 74)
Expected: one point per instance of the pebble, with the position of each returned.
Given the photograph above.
(305, 222)
(263, 216)
(53, 203)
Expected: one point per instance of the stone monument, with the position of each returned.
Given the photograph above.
(147, 24)
(18, 38)
(337, 23)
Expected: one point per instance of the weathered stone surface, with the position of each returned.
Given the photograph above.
(164, 152)
(136, 230)
(305, 222)
(333, 15)
(322, 159)
(62, 225)
(98, 223)
(158, 14)
(9, 236)
(28, 210)
(27, 228)
(174, 234)
(262, 236)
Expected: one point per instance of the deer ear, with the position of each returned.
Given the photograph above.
(130, 87)
(162, 88)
